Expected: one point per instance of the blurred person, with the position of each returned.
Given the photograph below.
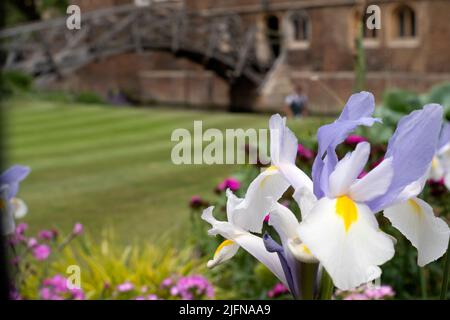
(296, 103)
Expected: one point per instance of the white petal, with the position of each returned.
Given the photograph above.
(249, 242)
(436, 169)
(305, 199)
(348, 169)
(415, 219)
(283, 152)
(412, 190)
(283, 143)
(19, 208)
(349, 245)
(296, 177)
(249, 214)
(284, 222)
(225, 251)
(374, 184)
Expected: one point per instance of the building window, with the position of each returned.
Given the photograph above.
(300, 26)
(405, 22)
(273, 34)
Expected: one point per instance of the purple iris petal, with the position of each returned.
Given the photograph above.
(12, 177)
(358, 106)
(357, 112)
(445, 135)
(272, 246)
(412, 148)
(321, 172)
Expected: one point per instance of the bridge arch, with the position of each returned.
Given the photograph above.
(48, 49)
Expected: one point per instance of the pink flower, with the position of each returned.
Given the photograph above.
(152, 297)
(21, 228)
(278, 290)
(378, 293)
(197, 202)
(166, 282)
(354, 139)
(77, 229)
(41, 252)
(46, 235)
(125, 287)
(32, 242)
(266, 218)
(57, 282)
(192, 287)
(55, 288)
(356, 296)
(304, 152)
(229, 183)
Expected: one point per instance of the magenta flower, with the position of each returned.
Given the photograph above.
(378, 293)
(166, 283)
(41, 252)
(278, 290)
(304, 152)
(77, 229)
(356, 296)
(229, 183)
(46, 235)
(197, 202)
(32, 242)
(55, 288)
(267, 218)
(125, 287)
(354, 139)
(192, 287)
(58, 282)
(21, 228)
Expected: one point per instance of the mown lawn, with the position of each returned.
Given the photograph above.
(110, 167)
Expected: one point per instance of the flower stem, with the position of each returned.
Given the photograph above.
(446, 271)
(326, 286)
(423, 283)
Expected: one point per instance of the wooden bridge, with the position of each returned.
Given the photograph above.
(48, 49)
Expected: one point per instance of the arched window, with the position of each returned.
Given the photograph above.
(300, 26)
(405, 22)
(273, 34)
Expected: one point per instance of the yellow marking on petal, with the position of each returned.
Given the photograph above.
(271, 168)
(223, 245)
(346, 209)
(415, 206)
(305, 249)
(264, 180)
(434, 163)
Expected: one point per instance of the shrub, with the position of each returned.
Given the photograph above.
(402, 101)
(13, 82)
(107, 270)
(89, 98)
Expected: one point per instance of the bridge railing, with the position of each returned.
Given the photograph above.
(50, 48)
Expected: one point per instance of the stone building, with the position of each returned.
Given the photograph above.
(308, 42)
